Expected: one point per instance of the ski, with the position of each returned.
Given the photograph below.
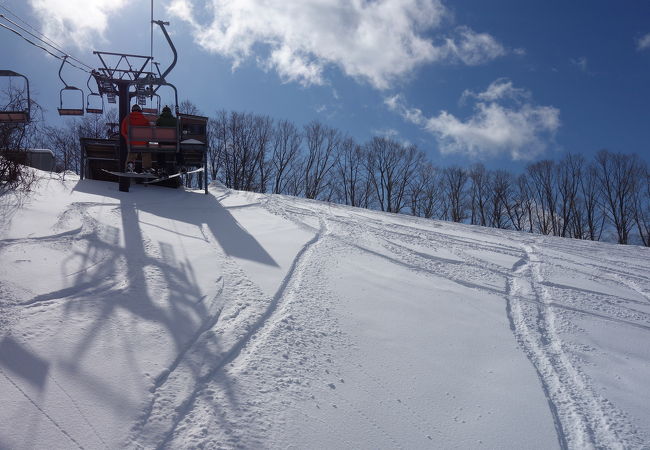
(200, 169)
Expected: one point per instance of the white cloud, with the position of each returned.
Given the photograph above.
(644, 42)
(377, 41)
(580, 63)
(473, 48)
(504, 121)
(501, 89)
(386, 132)
(76, 21)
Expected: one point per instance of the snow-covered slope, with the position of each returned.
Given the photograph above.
(169, 318)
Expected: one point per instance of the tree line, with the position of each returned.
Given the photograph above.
(606, 197)
(603, 198)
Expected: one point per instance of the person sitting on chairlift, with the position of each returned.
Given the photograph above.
(136, 118)
(166, 118)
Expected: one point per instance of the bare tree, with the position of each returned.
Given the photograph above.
(500, 188)
(480, 194)
(390, 167)
(15, 138)
(425, 191)
(569, 173)
(455, 184)
(284, 155)
(258, 179)
(188, 107)
(64, 142)
(519, 205)
(543, 189)
(618, 176)
(94, 125)
(591, 195)
(218, 142)
(238, 157)
(322, 146)
(642, 206)
(351, 176)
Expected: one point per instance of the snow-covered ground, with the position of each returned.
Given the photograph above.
(168, 318)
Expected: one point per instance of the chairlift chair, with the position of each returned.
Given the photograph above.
(152, 110)
(13, 115)
(97, 106)
(69, 111)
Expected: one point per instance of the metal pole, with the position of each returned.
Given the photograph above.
(82, 167)
(123, 93)
(205, 167)
(151, 47)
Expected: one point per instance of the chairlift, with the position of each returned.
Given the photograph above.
(97, 105)
(152, 110)
(12, 114)
(69, 111)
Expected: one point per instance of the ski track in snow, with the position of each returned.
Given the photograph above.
(582, 418)
(331, 244)
(301, 290)
(169, 407)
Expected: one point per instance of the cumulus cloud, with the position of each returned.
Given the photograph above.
(473, 48)
(504, 121)
(377, 41)
(643, 43)
(76, 21)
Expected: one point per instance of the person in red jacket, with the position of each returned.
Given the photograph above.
(138, 119)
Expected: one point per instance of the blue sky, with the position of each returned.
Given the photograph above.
(503, 82)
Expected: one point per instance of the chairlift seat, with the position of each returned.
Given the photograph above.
(154, 138)
(94, 107)
(70, 112)
(14, 117)
(11, 116)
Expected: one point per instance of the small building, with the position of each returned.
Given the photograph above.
(39, 158)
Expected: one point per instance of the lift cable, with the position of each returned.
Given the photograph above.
(42, 40)
(43, 48)
(51, 42)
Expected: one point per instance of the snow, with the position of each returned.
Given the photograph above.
(165, 318)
